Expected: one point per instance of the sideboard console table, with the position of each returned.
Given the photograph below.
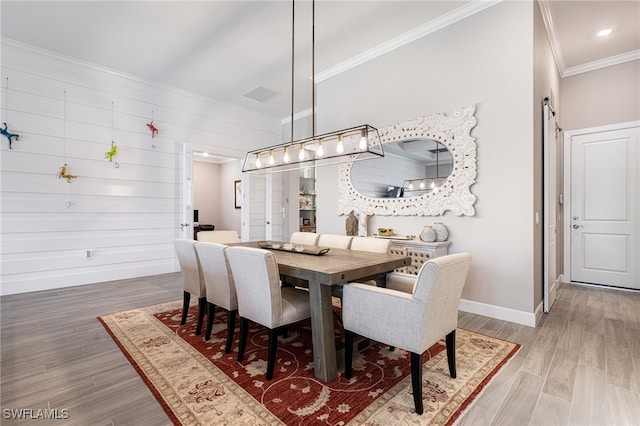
(419, 251)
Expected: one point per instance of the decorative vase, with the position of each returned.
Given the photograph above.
(442, 233)
(428, 234)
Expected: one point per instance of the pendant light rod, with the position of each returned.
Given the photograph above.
(293, 56)
(347, 145)
(313, 68)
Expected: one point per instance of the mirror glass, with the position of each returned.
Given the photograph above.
(410, 168)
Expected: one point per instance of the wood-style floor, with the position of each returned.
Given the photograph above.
(580, 367)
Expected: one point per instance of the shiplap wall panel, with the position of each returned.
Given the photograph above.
(69, 112)
(80, 240)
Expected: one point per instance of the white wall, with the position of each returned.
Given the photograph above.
(597, 98)
(487, 60)
(128, 216)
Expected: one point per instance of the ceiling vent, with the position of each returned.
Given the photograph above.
(262, 94)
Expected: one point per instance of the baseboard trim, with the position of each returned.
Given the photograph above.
(529, 319)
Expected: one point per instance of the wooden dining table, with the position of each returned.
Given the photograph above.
(321, 272)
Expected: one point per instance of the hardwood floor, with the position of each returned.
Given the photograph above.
(580, 367)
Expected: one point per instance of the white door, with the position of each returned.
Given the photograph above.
(185, 188)
(550, 200)
(604, 216)
(262, 207)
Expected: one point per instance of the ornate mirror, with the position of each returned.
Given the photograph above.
(428, 169)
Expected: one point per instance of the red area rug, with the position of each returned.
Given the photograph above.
(197, 383)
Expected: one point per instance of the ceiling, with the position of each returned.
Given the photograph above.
(226, 49)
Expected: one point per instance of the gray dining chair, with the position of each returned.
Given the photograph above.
(411, 321)
(262, 300)
(221, 290)
(192, 279)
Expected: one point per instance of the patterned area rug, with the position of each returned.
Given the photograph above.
(197, 383)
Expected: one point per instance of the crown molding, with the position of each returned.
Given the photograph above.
(551, 35)
(421, 31)
(602, 63)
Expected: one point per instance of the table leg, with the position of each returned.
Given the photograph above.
(324, 345)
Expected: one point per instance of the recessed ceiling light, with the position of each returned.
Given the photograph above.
(604, 32)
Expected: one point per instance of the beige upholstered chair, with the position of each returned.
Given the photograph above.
(220, 237)
(261, 299)
(371, 245)
(308, 238)
(192, 280)
(334, 241)
(410, 321)
(221, 291)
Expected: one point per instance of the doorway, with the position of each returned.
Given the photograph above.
(602, 216)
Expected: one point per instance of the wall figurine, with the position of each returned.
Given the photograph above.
(154, 130)
(9, 135)
(64, 174)
(109, 155)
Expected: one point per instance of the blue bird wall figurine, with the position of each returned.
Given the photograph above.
(9, 135)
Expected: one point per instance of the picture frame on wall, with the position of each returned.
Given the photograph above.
(237, 190)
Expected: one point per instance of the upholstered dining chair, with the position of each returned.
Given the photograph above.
(307, 238)
(371, 244)
(261, 299)
(221, 290)
(220, 237)
(410, 321)
(335, 241)
(192, 279)
(368, 244)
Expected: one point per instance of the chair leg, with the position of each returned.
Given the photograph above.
(231, 326)
(335, 314)
(186, 297)
(348, 353)
(451, 353)
(202, 306)
(244, 325)
(210, 315)
(271, 357)
(416, 381)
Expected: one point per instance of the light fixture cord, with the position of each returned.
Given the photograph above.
(6, 101)
(293, 48)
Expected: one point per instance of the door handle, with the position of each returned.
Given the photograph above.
(576, 226)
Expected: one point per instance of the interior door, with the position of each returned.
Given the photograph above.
(550, 143)
(262, 207)
(604, 217)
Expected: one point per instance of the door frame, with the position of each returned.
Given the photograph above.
(566, 231)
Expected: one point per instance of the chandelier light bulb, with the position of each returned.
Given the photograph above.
(433, 184)
(422, 184)
(340, 147)
(363, 141)
(286, 155)
(320, 150)
(301, 153)
(272, 160)
(258, 162)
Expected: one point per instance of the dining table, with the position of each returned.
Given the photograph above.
(322, 271)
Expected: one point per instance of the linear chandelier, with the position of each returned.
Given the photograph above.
(341, 146)
(432, 184)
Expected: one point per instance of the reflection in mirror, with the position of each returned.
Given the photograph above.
(410, 168)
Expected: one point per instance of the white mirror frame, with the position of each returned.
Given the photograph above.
(454, 132)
